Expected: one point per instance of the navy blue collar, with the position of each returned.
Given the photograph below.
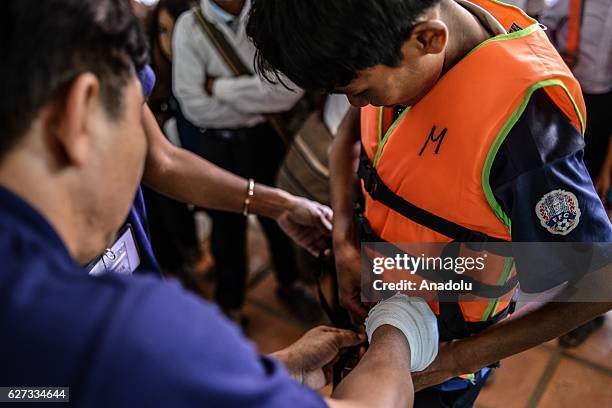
(18, 212)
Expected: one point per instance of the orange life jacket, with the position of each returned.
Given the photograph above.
(426, 174)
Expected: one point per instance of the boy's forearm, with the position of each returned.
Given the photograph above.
(382, 377)
(343, 179)
(522, 333)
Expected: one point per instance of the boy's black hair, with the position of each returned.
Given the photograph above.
(322, 44)
(45, 45)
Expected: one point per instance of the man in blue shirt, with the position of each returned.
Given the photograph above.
(72, 153)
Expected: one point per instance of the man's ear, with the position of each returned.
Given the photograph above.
(73, 119)
(430, 37)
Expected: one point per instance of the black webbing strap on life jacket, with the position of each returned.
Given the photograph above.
(479, 288)
(377, 189)
(451, 324)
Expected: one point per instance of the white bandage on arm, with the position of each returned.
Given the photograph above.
(413, 317)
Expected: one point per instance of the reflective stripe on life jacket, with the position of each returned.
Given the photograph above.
(437, 156)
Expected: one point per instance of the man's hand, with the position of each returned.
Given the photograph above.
(309, 360)
(348, 268)
(308, 223)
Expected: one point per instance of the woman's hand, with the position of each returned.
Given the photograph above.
(308, 223)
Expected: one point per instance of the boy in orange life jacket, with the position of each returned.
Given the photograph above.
(468, 113)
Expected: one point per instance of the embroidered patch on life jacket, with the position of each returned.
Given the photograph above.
(514, 28)
(558, 212)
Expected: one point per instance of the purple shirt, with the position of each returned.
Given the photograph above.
(120, 340)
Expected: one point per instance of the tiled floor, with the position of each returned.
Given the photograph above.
(549, 376)
(546, 376)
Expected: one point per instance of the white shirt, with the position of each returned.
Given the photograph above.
(531, 7)
(336, 107)
(594, 66)
(236, 102)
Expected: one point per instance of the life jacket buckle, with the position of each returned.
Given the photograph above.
(476, 241)
(371, 180)
(365, 231)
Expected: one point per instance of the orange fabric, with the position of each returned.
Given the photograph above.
(506, 14)
(472, 101)
(574, 24)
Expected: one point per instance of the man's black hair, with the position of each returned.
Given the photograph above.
(45, 45)
(322, 44)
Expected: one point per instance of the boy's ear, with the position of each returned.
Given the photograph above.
(71, 120)
(430, 37)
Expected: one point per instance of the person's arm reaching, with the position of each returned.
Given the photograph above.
(343, 184)
(310, 360)
(175, 369)
(182, 175)
(506, 339)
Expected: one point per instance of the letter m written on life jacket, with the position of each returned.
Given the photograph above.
(434, 139)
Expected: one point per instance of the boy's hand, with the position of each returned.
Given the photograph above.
(309, 360)
(348, 267)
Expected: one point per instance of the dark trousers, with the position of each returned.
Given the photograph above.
(251, 153)
(598, 130)
(173, 232)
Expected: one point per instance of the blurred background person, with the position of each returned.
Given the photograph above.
(235, 136)
(141, 8)
(171, 223)
(534, 8)
(582, 32)
(160, 25)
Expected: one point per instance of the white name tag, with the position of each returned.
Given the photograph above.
(121, 258)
